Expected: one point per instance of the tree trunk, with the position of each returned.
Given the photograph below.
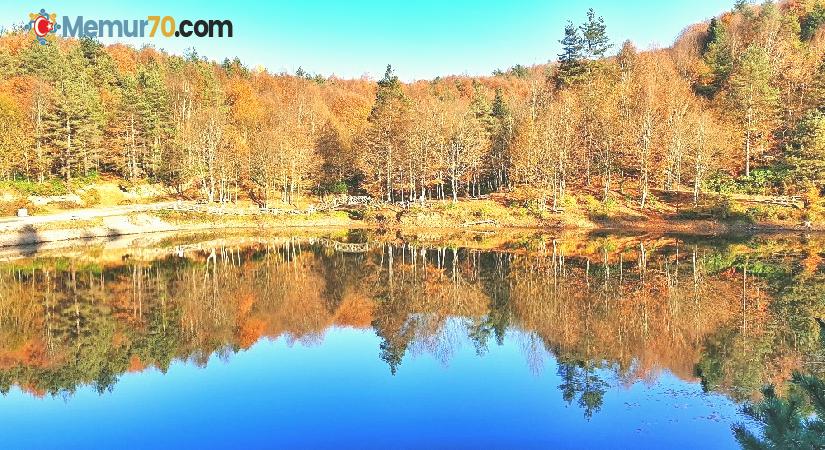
(68, 166)
(748, 152)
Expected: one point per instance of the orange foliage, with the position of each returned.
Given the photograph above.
(250, 331)
(355, 311)
(245, 304)
(135, 364)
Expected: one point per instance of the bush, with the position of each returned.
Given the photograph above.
(89, 178)
(90, 197)
(50, 187)
(721, 183)
(763, 181)
(600, 210)
(720, 208)
(535, 207)
(10, 208)
(726, 209)
(65, 205)
(332, 187)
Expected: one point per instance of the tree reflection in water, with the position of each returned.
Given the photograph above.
(793, 422)
(737, 315)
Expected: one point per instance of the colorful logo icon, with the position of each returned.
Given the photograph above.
(42, 24)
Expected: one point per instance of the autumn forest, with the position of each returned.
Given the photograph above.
(736, 104)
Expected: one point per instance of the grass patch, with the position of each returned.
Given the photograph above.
(26, 187)
(601, 210)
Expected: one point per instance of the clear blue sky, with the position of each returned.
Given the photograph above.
(421, 39)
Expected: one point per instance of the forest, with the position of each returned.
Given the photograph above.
(736, 104)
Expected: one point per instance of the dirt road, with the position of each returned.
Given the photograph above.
(13, 223)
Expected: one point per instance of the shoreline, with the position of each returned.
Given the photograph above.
(27, 235)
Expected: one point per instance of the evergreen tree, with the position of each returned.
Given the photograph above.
(594, 36)
(812, 21)
(502, 136)
(389, 90)
(754, 99)
(155, 114)
(717, 56)
(126, 130)
(44, 61)
(74, 120)
(572, 64)
(806, 154)
(387, 133)
(97, 62)
(518, 71)
(480, 106)
(786, 422)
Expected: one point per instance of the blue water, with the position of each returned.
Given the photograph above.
(336, 393)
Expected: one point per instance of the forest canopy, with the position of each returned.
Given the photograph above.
(736, 103)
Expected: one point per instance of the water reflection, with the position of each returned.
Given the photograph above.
(733, 315)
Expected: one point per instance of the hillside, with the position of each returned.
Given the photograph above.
(734, 109)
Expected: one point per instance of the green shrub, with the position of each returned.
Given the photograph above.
(721, 183)
(601, 209)
(50, 187)
(762, 181)
(91, 177)
(653, 202)
(726, 209)
(720, 208)
(535, 207)
(90, 197)
(332, 187)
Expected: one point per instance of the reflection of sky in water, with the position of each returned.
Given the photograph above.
(340, 394)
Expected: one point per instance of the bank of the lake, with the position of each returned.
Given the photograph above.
(479, 215)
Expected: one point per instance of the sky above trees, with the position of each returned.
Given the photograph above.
(422, 39)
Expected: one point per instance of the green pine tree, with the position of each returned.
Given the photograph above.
(155, 114)
(387, 131)
(594, 36)
(806, 154)
(754, 99)
(572, 64)
(74, 120)
(389, 90)
(787, 423)
(717, 56)
(812, 21)
(502, 136)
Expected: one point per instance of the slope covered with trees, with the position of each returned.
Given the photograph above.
(734, 105)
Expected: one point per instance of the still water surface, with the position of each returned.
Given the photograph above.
(366, 341)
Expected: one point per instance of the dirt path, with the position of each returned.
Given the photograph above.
(11, 223)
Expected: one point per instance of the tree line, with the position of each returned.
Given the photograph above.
(737, 103)
(677, 305)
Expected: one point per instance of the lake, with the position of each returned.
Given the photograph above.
(356, 339)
